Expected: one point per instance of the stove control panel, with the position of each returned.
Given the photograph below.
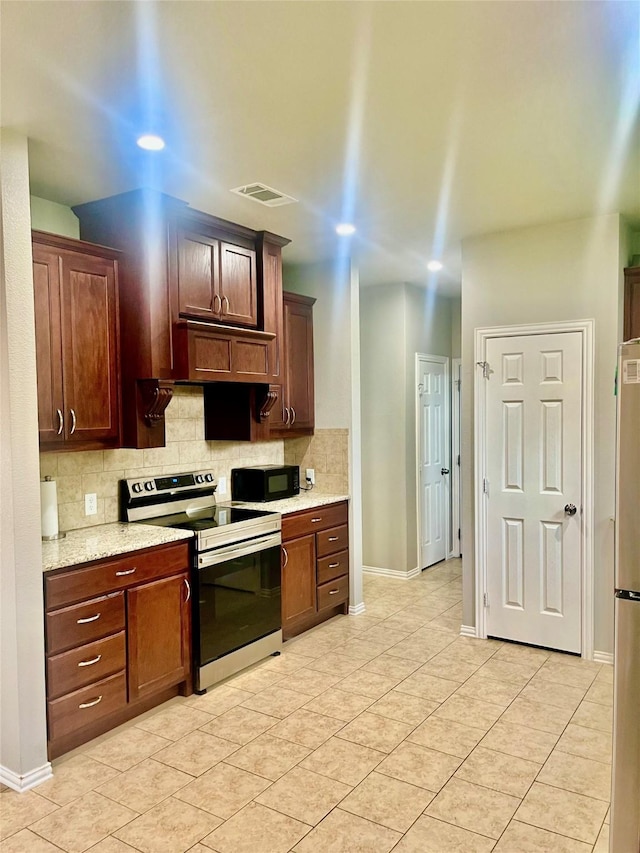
(204, 481)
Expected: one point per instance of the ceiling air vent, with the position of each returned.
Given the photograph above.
(264, 195)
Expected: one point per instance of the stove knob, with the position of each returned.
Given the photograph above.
(137, 487)
(149, 485)
(199, 478)
(209, 478)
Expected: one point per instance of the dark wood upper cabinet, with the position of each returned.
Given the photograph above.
(199, 301)
(631, 303)
(295, 413)
(216, 281)
(77, 343)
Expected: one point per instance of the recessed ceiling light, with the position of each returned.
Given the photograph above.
(345, 229)
(434, 266)
(150, 142)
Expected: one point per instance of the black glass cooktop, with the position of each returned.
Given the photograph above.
(205, 519)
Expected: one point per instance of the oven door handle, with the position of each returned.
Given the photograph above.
(223, 555)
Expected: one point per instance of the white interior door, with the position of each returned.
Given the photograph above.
(533, 471)
(433, 458)
(456, 485)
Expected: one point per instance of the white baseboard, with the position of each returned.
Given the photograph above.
(468, 631)
(603, 657)
(30, 780)
(391, 573)
(356, 609)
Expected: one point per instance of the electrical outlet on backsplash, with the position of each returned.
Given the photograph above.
(99, 471)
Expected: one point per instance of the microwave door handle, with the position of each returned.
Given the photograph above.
(223, 555)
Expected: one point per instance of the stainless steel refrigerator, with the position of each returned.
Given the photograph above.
(625, 803)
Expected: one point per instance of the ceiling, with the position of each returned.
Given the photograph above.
(422, 122)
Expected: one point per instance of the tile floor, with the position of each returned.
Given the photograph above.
(386, 731)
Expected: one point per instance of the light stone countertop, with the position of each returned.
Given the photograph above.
(104, 541)
(111, 540)
(305, 500)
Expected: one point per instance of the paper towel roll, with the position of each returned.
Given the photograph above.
(49, 508)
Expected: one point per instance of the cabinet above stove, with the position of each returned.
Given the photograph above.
(200, 301)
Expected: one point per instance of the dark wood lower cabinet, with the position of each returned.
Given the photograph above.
(315, 567)
(158, 635)
(115, 647)
(298, 582)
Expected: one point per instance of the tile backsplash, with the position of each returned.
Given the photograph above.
(99, 471)
(328, 453)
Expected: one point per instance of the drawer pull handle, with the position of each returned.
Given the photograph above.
(90, 662)
(90, 704)
(127, 572)
(188, 586)
(286, 557)
(315, 520)
(334, 591)
(333, 538)
(333, 565)
(88, 619)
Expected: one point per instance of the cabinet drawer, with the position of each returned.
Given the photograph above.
(86, 664)
(334, 592)
(333, 540)
(301, 523)
(82, 623)
(136, 567)
(333, 566)
(82, 708)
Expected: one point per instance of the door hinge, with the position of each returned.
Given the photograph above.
(485, 599)
(458, 534)
(485, 486)
(485, 368)
(458, 462)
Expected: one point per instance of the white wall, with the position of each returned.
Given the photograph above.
(562, 271)
(56, 218)
(23, 748)
(396, 321)
(336, 344)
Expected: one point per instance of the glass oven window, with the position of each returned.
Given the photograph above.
(238, 603)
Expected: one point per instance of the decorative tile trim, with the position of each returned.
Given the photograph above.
(392, 573)
(468, 631)
(603, 657)
(29, 780)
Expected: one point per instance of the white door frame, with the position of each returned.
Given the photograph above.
(456, 398)
(444, 360)
(482, 335)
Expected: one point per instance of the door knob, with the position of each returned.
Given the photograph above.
(444, 470)
(570, 509)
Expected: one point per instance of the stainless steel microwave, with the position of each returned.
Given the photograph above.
(265, 482)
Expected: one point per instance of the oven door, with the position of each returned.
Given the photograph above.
(237, 597)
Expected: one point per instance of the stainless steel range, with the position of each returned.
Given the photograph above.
(236, 568)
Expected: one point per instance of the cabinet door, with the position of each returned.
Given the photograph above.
(159, 634)
(89, 347)
(198, 276)
(238, 287)
(631, 303)
(298, 321)
(298, 580)
(46, 292)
